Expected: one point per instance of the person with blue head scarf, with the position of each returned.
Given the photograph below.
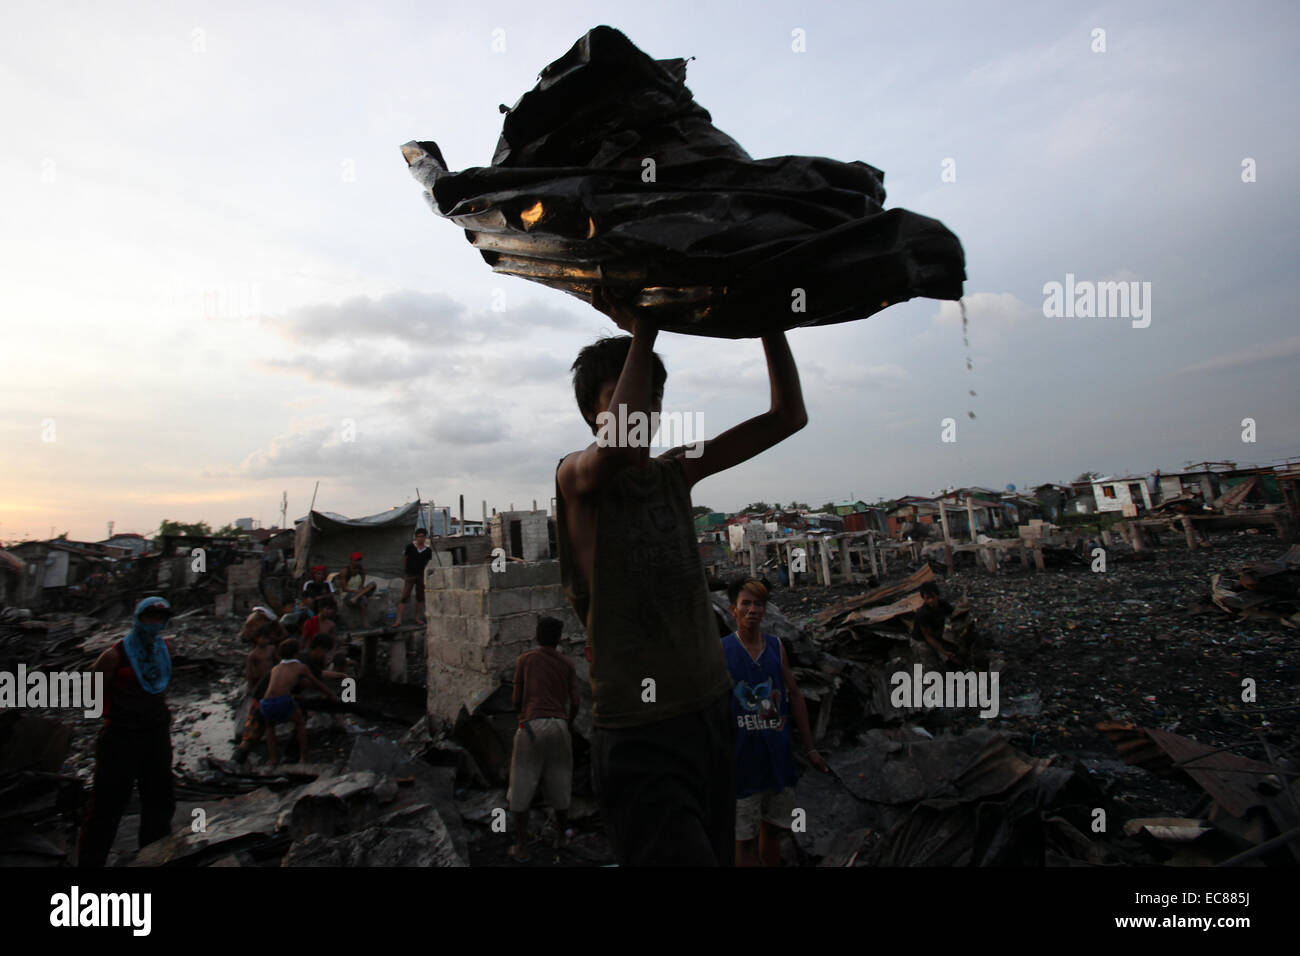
(145, 647)
(135, 745)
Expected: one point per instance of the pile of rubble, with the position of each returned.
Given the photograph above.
(1122, 736)
(1250, 810)
(1136, 646)
(379, 807)
(1261, 590)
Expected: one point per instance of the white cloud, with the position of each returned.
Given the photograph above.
(1256, 355)
(986, 311)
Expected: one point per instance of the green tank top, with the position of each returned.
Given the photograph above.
(647, 607)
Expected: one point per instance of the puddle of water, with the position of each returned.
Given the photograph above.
(195, 736)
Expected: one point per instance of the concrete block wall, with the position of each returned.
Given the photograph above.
(469, 549)
(481, 620)
(534, 532)
(242, 593)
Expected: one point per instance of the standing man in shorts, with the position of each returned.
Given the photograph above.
(416, 558)
(764, 698)
(546, 696)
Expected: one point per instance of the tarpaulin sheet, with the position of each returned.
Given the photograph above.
(609, 174)
(329, 539)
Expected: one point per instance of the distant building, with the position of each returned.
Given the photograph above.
(742, 534)
(1114, 492)
(472, 526)
(825, 521)
(985, 505)
(244, 524)
(523, 534)
(1019, 509)
(51, 567)
(860, 516)
(912, 510)
(13, 576)
(710, 522)
(1055, 500)
(134, 544)
(1083, 500)
(1204, 478)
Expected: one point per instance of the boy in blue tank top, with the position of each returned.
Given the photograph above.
(764, 698)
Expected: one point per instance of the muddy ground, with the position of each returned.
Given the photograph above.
(1132, 643)
(1072, 647)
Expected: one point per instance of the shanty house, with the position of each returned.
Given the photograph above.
(1114, 492)
(13, 575)
(860, 516)
(985, 505)
(912, 509)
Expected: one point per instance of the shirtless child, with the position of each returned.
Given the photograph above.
(278, 705)
(262, 631)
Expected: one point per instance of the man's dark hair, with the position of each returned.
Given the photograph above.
(928, 588)
(325, 601)
(601, 362)
(549, 630)
(323, 642)
(758, 588)
(421, 531)
(288, 649)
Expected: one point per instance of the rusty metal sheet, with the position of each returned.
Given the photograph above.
(609, 174)
(878, 596)
(1136, 747)
(1229, 779)
(879, 615)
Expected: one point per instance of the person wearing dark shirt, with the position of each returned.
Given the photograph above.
(135, 745)
(316, 585)
(416, 558)
(928, 623)
(546, 696)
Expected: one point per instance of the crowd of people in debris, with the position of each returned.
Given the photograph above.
(293, 652)
(692, 750)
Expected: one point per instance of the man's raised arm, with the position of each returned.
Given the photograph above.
(741, 443)
(585, 471)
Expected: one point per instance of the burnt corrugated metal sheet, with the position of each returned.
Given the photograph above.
(1232, 781)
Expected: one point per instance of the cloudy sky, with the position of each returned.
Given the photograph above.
(218, 280)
